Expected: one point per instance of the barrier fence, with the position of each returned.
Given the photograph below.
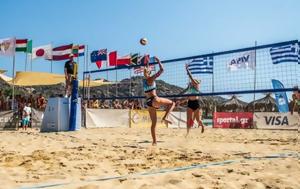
(99, 118)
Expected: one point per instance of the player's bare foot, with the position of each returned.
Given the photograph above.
(166, 121)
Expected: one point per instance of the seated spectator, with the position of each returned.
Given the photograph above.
(125, 104)
(96, 104)
(90, 103)
(131, 104)
(137, 105)
(116, 104)
(106, 104)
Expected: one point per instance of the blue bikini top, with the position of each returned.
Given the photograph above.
(192, 90)
(148, 88)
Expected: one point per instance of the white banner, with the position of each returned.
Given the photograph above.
(243, 61)
(179, 120)
(276, 120)
(7, 46)
(96, 118)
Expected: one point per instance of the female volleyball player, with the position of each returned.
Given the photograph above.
(152, 100)
(193, 107)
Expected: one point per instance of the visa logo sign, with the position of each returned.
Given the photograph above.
(276, 120)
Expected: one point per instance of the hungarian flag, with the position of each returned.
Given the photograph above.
(78, 50)
(21, 45)
(44, 51)
(62, 52)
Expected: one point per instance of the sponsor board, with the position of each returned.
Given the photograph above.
(7, 120)
(233, 120)
(98, 118)
(141, 119)
(276, 120)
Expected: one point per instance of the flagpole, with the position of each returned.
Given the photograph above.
(107, 88)
(51, 59)
(83, 75)
(26, 61)
(87, 68)
(51, 65)
(254, 80)
(31, 62)
(13, 86)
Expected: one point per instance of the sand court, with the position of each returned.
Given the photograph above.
(124, 158)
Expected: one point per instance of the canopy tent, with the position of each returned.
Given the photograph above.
(5, 78)
(265, 104)
(24, 79)
(2, 71)
(233, 105)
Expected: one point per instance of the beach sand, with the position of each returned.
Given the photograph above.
(78, 159)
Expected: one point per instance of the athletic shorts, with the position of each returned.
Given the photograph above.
(193, 104)
(149, 101)
(26, 121)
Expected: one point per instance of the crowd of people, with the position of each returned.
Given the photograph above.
(22, 106)
(37, 102)
(114, 104)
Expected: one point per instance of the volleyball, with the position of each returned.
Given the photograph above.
(143, 41)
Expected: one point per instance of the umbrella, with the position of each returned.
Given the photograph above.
(265, 104)
(233, 105)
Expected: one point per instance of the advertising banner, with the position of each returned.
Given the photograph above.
(98, 118)
(276, 120)
(233, 120)
(141, 119)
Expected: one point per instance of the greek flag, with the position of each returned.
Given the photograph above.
(202, 65)
(286, 53)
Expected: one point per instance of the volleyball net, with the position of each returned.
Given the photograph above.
(246, 72)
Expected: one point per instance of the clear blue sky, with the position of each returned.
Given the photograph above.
(174, 28)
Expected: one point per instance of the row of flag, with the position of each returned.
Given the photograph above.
(98, 56)
(204, 65)
(9, 46)
(280, 54)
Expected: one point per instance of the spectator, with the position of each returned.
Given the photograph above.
(296, 101)
(106, 104)
(26, 116)
(96, 104)
(31, 101)
(2, 101)
(41, 102)
(90, 103)
(125, 104)
(116, 104)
